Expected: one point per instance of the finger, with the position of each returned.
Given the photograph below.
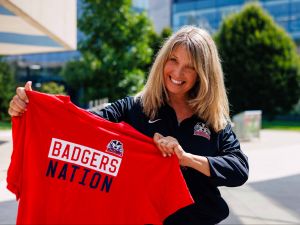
(162, 143)
(19, 103)
(171, 139)
(15, 107)
(166, 143)
(157, 136)
(157, 142)
(161, 146)
(162, 150)
(172, 144)
(22, 94)
(167, 151)
(28, 86)
(12, 113)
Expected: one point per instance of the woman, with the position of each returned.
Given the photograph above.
(184, 107)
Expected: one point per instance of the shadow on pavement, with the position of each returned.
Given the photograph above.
(273, 201)
(232, 219)
(283, 191)
(3, 142)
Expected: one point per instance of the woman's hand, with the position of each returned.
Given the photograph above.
(169, 146)
(18, 104)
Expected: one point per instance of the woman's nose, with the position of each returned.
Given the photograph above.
(177, 72)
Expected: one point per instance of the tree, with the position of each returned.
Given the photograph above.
(52, 88)
(115, 49)
(78, 75)
(7, 88)
(156, 42)
(260, 62)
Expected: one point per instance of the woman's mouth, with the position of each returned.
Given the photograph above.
(177, 82)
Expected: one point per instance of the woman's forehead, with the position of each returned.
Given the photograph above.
(177, 51)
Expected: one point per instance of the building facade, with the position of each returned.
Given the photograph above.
(28, 26)
(164, 13)
(209, 14)
(159, 11)
(45, 67)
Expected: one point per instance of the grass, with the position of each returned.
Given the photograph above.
(5, 125)
(281, 125)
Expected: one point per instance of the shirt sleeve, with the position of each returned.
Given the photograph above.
(115, 112)
(230, 167)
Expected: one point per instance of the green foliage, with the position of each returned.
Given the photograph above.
(260, 62)
(281, 125)
(5, 125)
(7, 89)
(296, 109)
(156, 42)
(52, 88)
(78, 75)
(115, 50)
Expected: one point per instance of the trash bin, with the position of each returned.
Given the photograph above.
(247, 124)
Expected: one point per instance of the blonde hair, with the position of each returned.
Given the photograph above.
(207, 98)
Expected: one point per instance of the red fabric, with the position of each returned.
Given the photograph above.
(145, 189)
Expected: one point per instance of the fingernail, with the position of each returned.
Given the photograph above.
(164, 155)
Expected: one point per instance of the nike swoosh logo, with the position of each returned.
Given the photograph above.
(153, 121)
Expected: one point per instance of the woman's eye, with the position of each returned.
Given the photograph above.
(190, 70)
(172, 59)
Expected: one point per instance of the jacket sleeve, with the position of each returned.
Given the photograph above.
(230, 167)
(116, 111)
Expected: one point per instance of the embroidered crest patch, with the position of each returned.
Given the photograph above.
(200, 129)
(115, 147)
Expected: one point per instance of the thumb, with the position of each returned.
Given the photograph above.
(157, 136)
(28, 86)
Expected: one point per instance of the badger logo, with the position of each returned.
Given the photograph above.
(115, 147)
(200, 129)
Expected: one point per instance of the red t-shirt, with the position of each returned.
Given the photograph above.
(71, 167)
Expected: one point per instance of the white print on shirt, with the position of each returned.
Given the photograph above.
(200, 129)
(85, 156)
(153, 121)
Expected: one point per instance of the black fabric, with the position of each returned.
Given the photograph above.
(228, 165)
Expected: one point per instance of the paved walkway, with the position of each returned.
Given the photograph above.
(271, 195)
(8, 205)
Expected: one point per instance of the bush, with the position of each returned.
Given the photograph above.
(260, 62)
(7, 89)
(53, 88)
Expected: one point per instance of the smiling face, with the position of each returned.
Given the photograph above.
(179, 74)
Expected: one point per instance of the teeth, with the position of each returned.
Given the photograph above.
(176, 81)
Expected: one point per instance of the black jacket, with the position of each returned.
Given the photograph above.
(228, 165)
